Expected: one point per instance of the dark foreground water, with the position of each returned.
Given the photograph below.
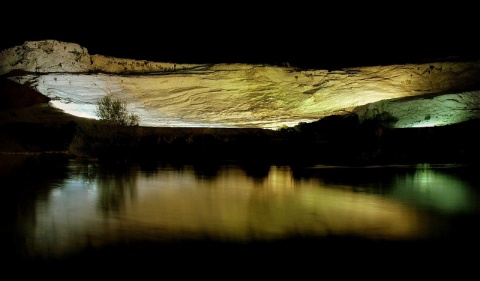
(208, 218)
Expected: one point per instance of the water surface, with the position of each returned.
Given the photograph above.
(56, 208)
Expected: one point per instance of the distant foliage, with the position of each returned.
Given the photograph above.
(383, 120)
(115, 112)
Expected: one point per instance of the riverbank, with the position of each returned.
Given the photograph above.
(28, 124)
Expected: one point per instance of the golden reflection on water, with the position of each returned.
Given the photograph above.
(233, 206)
(172, 204)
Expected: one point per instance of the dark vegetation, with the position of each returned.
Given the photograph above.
(28, 124)
(114, 112)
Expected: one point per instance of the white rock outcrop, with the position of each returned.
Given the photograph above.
(52, 56)
(427, 110)
(45, 56)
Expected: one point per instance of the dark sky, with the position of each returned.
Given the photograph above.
(305, 36)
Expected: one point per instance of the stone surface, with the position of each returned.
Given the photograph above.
(244, 95)
(426, 110)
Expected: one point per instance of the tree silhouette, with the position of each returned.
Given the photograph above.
(115, 112)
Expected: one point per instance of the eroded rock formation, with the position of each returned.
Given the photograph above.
(244, 95)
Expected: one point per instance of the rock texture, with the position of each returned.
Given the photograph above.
(426, 110)
(244, 95)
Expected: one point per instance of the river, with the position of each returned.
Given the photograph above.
(58, 209)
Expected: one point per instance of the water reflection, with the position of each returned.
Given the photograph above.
(437, 190)
(90, 205)
(449, 189)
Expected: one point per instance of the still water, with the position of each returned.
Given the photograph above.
(54, 207)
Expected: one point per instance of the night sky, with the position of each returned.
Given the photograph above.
(304, 36)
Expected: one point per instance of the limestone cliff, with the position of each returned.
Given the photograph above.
(50, 56)
(244, 95)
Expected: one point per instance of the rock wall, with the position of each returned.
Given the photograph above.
(45, 56)
(50, 56)
(244, 95)
(425, 111)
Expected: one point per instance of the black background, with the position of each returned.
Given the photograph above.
(312, 34)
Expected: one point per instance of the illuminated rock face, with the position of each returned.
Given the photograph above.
(244, 95)
(426, 110)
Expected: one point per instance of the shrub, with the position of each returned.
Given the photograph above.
(115, 112)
